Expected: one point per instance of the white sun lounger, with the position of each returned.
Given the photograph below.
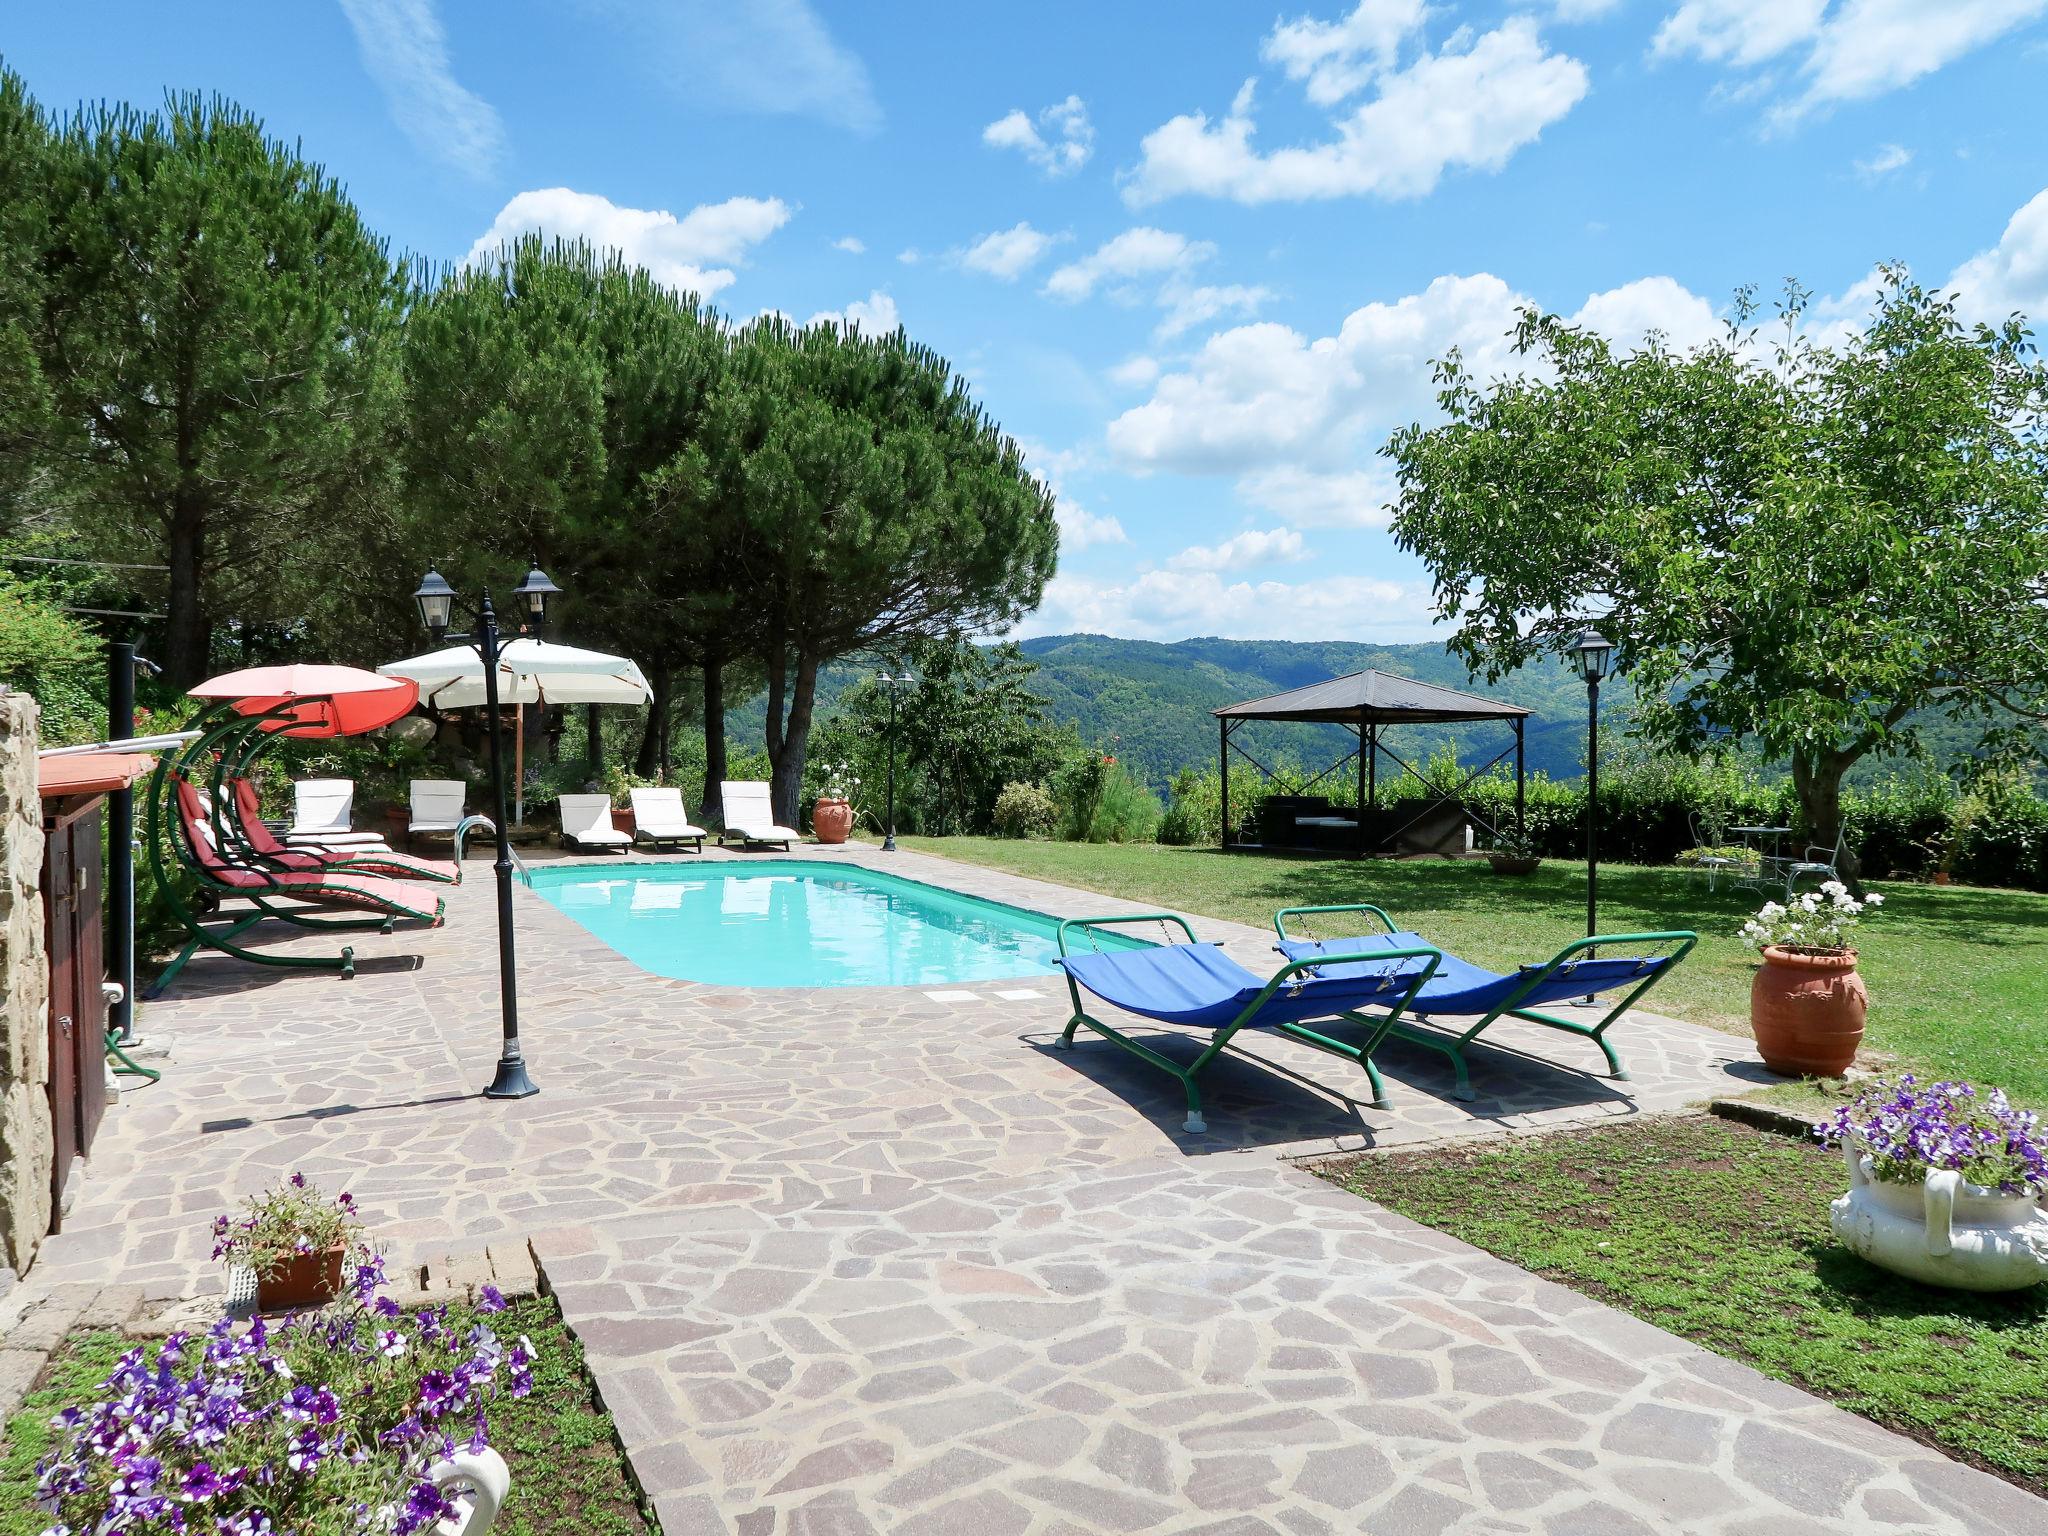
(587, 823)
(322, 810)
(436, 805)
(749, 816)
(658, 816)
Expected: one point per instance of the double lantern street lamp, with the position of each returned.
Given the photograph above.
(436, 600)
(1592, 654)
(895, 682)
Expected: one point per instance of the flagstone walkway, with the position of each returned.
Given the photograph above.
(869, 1260)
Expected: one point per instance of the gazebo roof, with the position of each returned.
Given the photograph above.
(1372, 697)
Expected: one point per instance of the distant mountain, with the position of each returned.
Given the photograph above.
(1151, 700)
(1155, 698)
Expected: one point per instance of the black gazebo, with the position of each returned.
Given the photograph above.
(1365, 703)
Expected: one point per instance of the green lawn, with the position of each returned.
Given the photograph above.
(567, 1473)
(1720, 1234)
(1958, 975)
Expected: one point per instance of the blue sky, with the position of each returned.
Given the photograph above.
(1197, 256)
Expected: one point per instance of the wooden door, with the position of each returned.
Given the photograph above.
(60, 932)
(89, 960)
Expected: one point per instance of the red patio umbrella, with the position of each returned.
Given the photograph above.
(339, 701)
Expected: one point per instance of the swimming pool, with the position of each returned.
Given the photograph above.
(781, 923)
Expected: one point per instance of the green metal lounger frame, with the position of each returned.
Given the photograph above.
(221, 725)
(1533, 979)
(1376, 1030)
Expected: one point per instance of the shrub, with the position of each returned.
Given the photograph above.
(1194, 809)
(1101, 803)
(1025, 810)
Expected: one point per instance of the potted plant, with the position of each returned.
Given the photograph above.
(619, 785)
(1807, 1004)
(360, 1419)
(832, 816)
(296, 1240)
(1513, 852)
(1944, 1185)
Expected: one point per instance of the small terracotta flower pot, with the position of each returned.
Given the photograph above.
(307, 1280)
(831, 820)
(1807, 1011)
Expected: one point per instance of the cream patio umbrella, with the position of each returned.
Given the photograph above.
(529, 672)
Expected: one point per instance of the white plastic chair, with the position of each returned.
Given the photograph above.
(658, 816)
(322, 813)
(587, 823)
(750, 815)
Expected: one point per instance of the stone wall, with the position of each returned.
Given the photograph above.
(27, 1139)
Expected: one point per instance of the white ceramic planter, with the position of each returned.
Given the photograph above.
(1943, 1231)
(476, 1482)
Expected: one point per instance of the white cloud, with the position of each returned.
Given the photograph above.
(1188, 306)
(1058, 143)
(1470, 105)
(1583, 10)
(1854, 49)
(1136, 252)
(853, 245)
(1351, 498)
(1628, 314)
(1263, 396)
(1254, 546)
(1135, 372)
(1081, 529)
(1340, 58)
(874, 316)
(1008, 253)
(1740, 32)
(1868, 47)
(2013, 274)
(406, 52)
(695, 253)
(1886, 159)
(1174, 605)
(774, 57)
(910, 256)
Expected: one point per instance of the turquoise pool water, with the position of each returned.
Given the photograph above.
(781, 923)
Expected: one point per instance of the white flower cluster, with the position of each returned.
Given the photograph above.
(1822, 919)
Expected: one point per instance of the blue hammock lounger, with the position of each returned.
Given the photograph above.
(1197, 984)
(1632, 963)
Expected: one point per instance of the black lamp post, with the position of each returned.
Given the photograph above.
(1593, 654)
(436, 600)
(895, 683)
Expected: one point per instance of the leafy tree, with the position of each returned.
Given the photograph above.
(24, 398)
(970, 725)
(879, 505)
(1805, 544)
(556, 396)
(218, 334)
(47, 653)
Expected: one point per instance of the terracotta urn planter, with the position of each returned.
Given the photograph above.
(1942, 1231)
(1806, 1008)
(831, 819)
(623, 820)
(308, 1280)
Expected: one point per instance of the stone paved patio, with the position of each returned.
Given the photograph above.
(860, 1260)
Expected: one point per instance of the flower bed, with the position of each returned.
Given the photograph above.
(323, 1422)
